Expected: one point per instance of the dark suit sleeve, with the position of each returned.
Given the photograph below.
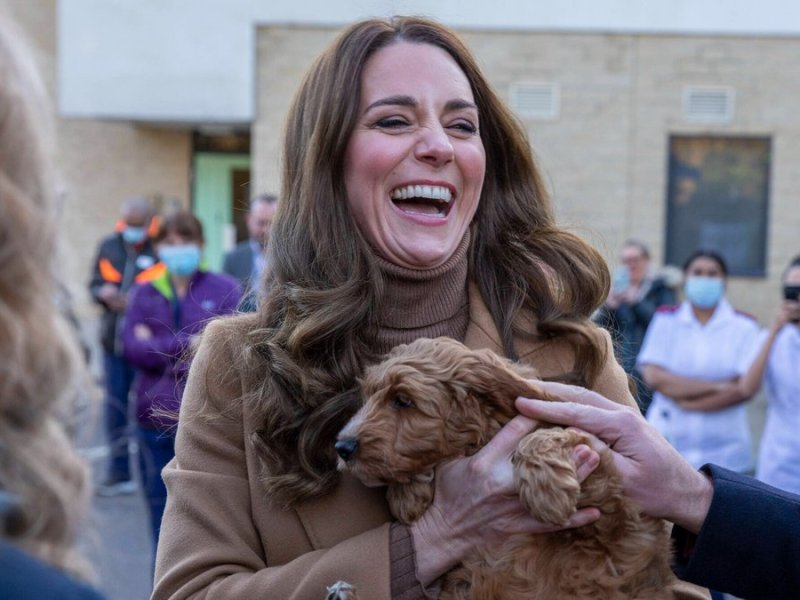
(749, 545)
(659, 295)
(227, 264)
(97, 281)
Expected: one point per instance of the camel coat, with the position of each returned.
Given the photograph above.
(221, 536)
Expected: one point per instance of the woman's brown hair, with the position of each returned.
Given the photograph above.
(324, 287)
(43, 481)
(182, 222)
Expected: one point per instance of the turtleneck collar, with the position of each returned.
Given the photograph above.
(424, 302)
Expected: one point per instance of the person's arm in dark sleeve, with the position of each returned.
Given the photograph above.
(643, 311)
(749, 544)
(97, 281)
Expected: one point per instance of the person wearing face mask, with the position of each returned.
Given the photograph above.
(697, 356)
(162, 319)
(123, 259)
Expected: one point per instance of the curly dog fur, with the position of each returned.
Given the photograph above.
(436, 399)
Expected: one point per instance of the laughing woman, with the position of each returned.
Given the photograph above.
(411, 207)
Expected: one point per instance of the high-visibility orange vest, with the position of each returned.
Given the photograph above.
(150, 273)
(110, 274)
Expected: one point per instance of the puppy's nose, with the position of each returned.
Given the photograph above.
(346, 448)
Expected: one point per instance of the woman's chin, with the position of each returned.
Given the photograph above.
(423, 253)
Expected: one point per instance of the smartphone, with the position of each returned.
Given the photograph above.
(791, 292)
(621, 279)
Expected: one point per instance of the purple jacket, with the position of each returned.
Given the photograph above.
(162, 361)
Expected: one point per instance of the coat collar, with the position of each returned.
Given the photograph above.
(481, 331)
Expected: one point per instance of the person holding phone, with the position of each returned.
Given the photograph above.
(779, 455)
(633, 300)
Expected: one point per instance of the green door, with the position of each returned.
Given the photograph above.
(220, 192)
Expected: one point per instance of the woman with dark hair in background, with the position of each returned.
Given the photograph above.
(162, 319)
(411, 207)
(694, 356)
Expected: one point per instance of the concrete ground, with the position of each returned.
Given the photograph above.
(117, 539)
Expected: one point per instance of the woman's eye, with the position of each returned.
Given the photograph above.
(392, 123)
(400, 401)
(465, 127)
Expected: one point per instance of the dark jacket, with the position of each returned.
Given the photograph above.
(162, 361)
(239, 263)
(23, 577)
(628, 322)
(749, 544)
(123, 265)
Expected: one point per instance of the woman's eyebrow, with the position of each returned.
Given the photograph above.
(457, 104)
(393, 101)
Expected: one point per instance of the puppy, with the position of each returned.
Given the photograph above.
(436, 399)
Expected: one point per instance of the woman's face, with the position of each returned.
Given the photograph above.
(702, 266)
(415, 162)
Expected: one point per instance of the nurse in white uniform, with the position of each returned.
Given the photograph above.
(779, 455)
(695, 357)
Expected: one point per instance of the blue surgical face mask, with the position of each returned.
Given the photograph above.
(181, 260)
(134, 235)
(704, 292)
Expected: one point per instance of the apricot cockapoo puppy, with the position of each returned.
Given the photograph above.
(432, 400)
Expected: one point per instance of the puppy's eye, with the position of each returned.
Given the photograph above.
(400, 401)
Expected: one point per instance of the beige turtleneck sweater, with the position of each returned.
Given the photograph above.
(425, 303)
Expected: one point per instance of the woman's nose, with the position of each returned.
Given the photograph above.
(434, 146)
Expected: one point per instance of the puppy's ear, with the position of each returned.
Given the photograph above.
(497, 379)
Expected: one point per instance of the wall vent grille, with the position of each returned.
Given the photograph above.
(535, 100)
(708, 104)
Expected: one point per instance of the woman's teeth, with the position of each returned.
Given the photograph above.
(430, 192)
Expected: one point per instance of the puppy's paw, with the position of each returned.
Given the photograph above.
(545, 476)
(341, 590)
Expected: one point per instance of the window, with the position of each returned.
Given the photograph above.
(717, 199)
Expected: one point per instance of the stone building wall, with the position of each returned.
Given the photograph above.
(605, 155)
(99, 164)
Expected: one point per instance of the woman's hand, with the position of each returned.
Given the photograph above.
(653, 474)
(788, 311)
(476, 503)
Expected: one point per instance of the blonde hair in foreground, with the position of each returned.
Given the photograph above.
(40, 472)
